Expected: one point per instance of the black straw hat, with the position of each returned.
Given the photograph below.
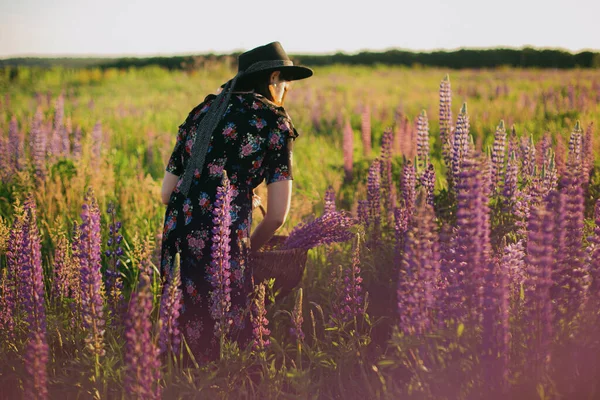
(268, 58)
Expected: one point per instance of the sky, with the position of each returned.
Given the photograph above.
(176, 27)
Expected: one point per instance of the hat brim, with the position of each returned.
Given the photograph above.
(289, 73)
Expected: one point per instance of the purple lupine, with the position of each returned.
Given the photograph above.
(350, 303)
(329, 205)
(62, 262)
(387, 187)
(142, 360)
(445, 114)
(587, 154)
(7, 305)
(365, 129)
(114, 284)
(510, 190)
(374, 199)
(407, 188)
(77, 138)
(97, 143)
(329, 228)
(423, 140)
(419, 273)
(348, 149)
(219, 270)
(498, 156)
(472, 240)
(4, 155)
(400, 229)
(297, 319)
(496, 331)
(87, 253)
(33, 298)
(363, 213)
(540, 262)
(170, 306)
(549, 178)
(15, 284)
(58, 125)
(568, 290)
(15, 146)
(427, 180)
(513, 256)
(594, 265)
(460, 145)
(36, 361)
(38, 139)
(259, 320)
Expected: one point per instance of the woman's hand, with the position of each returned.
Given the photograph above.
(169, 182)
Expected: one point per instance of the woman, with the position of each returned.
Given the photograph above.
(246, 133)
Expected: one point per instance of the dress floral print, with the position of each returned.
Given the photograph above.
(253, 143)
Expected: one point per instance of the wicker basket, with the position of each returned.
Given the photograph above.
(286, 266)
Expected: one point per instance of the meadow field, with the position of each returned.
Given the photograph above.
(472, 269)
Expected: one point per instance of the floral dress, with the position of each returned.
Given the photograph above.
(253, 142)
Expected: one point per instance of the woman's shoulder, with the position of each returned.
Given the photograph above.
(199, 110)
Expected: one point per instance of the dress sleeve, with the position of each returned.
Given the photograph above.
(175, 164)
(280, 144)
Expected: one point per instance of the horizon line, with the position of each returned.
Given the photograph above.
(291, 53)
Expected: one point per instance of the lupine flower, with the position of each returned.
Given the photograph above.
(7, 305)
(407, 187)
(575, 145)
(540, 261)
(142, 354)
(423, 140)
(400, 228)
(461, 141)
(219, 272)
(445, 114)
(349, 302)
(472, 240)
(365, 128)
(15, 284)
(15, 145)
(259, 320)
(510, 190)
(588, 154)
(568, 290)
(329, 228)
(33, 298)
(594, 266)
(170, 305)
(427, 180)
(363, 213)
(374, 198)
(420, 271)
(329, 200)
(498, 156)
(513, 256)
(549, 178)
(114, 285)
(62, 266)
(496, 330)
(86, 252)
(36, 360)
(527, 158)
(388, 193)
(296, 328)
(66, 137)
(38, 144)
(348, 148)
(56, 142)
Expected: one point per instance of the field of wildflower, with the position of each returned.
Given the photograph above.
(451, 219)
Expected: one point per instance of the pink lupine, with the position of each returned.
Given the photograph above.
(259, 320)
(219, 270)
(460, 146)
(374, 198)
(407, 187)
(445, 120)
(142, 362)
(37, 137)
(170, 306)
(387, 186)
(349, 301)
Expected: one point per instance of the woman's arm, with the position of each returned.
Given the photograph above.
(169, 183)
(279, 196)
